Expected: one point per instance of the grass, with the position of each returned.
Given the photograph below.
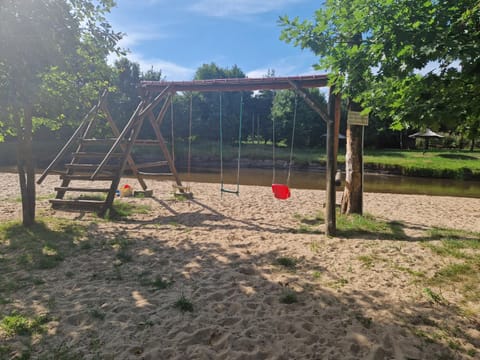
(463, 247)
(434, 163)
(120, 209)
(18, 324)
(287, 262)
(434, 296)
(183, 304)
(97, 314)
(288, 296)
(156, 283)
(355, 225)
(368, 261)
(41, 246)
(123, 210)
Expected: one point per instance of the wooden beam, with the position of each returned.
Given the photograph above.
(130, 161)
(86, 120)
(163, 146)
(154, 102)
(163, 110)
(310, 101)
(134, 120)
(242, 84)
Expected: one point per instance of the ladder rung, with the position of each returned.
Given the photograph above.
(154, 174)
(90, 166)
(80, 189)
(86, 177)
(77, 203)
(146, 142)
(151, 164)
(99, 141)
(94, 154)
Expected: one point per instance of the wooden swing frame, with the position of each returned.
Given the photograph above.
(331, 116)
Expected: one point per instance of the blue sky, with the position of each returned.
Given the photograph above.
(178, 36)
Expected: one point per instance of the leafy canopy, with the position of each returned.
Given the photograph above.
(407, 60)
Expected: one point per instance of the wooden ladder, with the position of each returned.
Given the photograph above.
(91, 164)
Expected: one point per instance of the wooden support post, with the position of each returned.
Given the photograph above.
(134, 119)
(338, 114)
(163, 110)
(114, 186)
(130, 160)
(164, 148)
(330, 216)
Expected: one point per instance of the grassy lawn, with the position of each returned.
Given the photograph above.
(438, 163)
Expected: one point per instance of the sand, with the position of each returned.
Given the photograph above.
(220, 253)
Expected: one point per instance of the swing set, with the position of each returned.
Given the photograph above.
(116, 154)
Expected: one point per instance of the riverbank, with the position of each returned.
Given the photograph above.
(445, 164)
(241, 278)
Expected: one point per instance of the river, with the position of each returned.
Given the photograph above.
(316, 180)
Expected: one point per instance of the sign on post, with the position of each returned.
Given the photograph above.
(355, 118)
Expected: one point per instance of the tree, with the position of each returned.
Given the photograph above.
(308, 129)
(40, 38)
(407, 61)
(209, 104)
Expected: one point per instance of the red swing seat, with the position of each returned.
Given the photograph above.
(281, 191)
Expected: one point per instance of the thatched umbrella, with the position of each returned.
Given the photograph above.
(427, 135)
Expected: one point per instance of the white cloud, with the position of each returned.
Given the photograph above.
(170, 70)
(134, 37)
(228, 8)
(288, 66)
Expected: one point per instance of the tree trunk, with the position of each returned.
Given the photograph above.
(26, 169)
(472, 145)
(352, 199)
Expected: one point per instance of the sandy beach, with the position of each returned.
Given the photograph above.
(221, 255)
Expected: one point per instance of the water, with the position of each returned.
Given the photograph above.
(316, 180)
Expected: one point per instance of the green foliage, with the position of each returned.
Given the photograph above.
(308, 128)
(406, 61)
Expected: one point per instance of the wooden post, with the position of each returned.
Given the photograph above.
(330, 218)
(338, 114)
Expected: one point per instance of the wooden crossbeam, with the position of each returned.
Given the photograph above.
(311, 102)
(243, 84)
